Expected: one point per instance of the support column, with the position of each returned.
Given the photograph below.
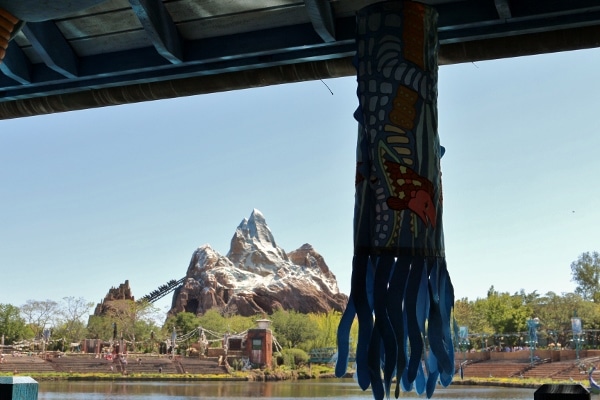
(399, 270)
(18, 388)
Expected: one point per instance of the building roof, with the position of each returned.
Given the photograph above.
(124, 51)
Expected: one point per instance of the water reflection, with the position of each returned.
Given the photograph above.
(337, 388)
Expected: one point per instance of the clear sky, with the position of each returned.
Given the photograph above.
(92, 198)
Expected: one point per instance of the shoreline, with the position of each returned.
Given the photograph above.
(269, 376)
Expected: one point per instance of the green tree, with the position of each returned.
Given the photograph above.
(293, 329)
(326, 329)
(69, 332)
(212, 320)
(135, 320)
(462, 311)
(586, 274)
(144, 334)
(506, 313)
(40, 315)
(184, 322)
(478, 321)
(124, 313)
(100, 327)
(293, 358)
(472, 314)
(238, 323)
(71, 311)
(12, 325)
(530, 299)
(555, 311)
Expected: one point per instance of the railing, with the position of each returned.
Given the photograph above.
(327, 355)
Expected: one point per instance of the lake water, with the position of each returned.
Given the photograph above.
(345, 389)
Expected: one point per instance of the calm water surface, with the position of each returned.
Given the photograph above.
(340, 388)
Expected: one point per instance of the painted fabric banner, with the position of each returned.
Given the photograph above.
(401, 290)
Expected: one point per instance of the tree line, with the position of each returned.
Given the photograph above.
(137, 324)
(30, 320)
(501, 318)
(498, 315)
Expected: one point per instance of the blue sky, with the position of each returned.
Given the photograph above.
(92, 198)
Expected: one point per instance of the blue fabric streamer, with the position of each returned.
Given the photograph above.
(365, 318)
(396, 290)
(401, 292)
(382, 322)
(343, 338)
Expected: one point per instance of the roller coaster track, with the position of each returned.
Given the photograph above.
(163, 290)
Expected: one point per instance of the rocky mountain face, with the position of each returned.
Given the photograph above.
(257, 277)
(122, 292)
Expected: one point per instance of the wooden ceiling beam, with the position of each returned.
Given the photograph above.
(321, 17)
(53, 48)
(160, 28)
(503, 9)
(16, 65)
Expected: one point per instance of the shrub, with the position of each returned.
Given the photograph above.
(294, 357)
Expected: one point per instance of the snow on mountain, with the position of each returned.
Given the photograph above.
(253, 246)
(257, 276)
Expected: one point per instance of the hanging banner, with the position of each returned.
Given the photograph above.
(399, 272)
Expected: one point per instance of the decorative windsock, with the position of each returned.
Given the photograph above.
(400, 290)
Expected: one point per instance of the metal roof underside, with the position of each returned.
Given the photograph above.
(124, 51)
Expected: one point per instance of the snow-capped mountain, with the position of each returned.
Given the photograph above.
(257, 276)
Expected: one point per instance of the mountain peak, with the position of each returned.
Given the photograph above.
(254, 247)
(257, 276)
(255, 229)
(256, 212)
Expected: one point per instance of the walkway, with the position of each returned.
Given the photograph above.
(87, 363)
(570, 370)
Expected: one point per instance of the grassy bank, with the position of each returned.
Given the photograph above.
(315, 372)
(514, 382)
(73, 376)
(281, 373)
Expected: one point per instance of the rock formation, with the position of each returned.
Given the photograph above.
(257, 277)
(123, 292)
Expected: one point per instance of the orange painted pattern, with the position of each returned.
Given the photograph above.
(413, 33)
(7, 24)
(403, 114)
